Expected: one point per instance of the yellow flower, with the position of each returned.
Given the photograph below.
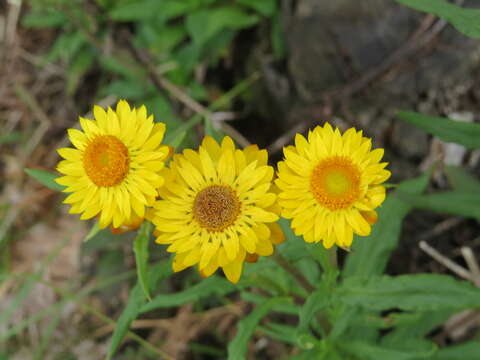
(217, 208)
(330, 185)
(113, 171)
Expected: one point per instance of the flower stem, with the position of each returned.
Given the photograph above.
(302, 280)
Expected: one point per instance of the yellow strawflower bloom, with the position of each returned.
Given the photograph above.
(113, 171)
(330, 185)
(217, 208)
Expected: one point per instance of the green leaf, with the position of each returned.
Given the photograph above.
(177, 141)
(469, 350)
(211, 131)
(204, 24)
(413, 325)
(140, 248)
(213, 285)
(315, 302)
(66, 46)
(237, 348)
(43, 19)
(370, 255)
(281, 332)
(11, 138)
(466, 134)
(451, 202)
(419, 292)
(137, 10)
(127, 89)
(413, 350)
(80, 65)
(45, 178)
(464, 20)
(136, 300)
(285, 308)
(264, 7)
(462, 179)
(93, 232)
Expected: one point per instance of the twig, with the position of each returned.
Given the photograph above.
(472, 264)
(445, 261)
(159, 81)
(441, 227)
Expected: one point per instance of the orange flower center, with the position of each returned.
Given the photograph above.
(335, 183)
(216, 208)
(106, 161)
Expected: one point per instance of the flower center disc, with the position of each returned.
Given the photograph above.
(335, 183)
(106, 161)
(216, 207)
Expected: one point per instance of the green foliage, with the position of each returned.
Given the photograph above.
(136, 299)
(456, 202)
(413, 350)
(419, 292)
(462, 179)
(45, 178)
(140, 248)
(246, 327)
(213, 285)
(464, 20)
(315, 302)
(466, 134)
(469, 350)
(204, 24)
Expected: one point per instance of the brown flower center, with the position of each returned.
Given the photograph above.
(216, 208)
(335, 183)
(106, 161)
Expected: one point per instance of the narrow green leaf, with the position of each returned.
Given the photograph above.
(466, 351)
(286, 308)
(464, 20)
(43, 19)
(450, 202)
(204, 24)
(93, 231)
(213, 285)
(237, 348)
(80, 65)
(264, 7)
(140, 248)
(136, 11)
(407, 325)
(419, 292)
(413, 350)
(370, 255)
(177, 141)
(462, 179)
(45, 178)
(211, 131)
(136, 300)
(281, 332)
(184, 128)
(466, 134)
(315, 302)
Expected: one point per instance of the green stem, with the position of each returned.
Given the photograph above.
(333, 258)
(302, 280)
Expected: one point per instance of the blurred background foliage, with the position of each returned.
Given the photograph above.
(260, 71)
